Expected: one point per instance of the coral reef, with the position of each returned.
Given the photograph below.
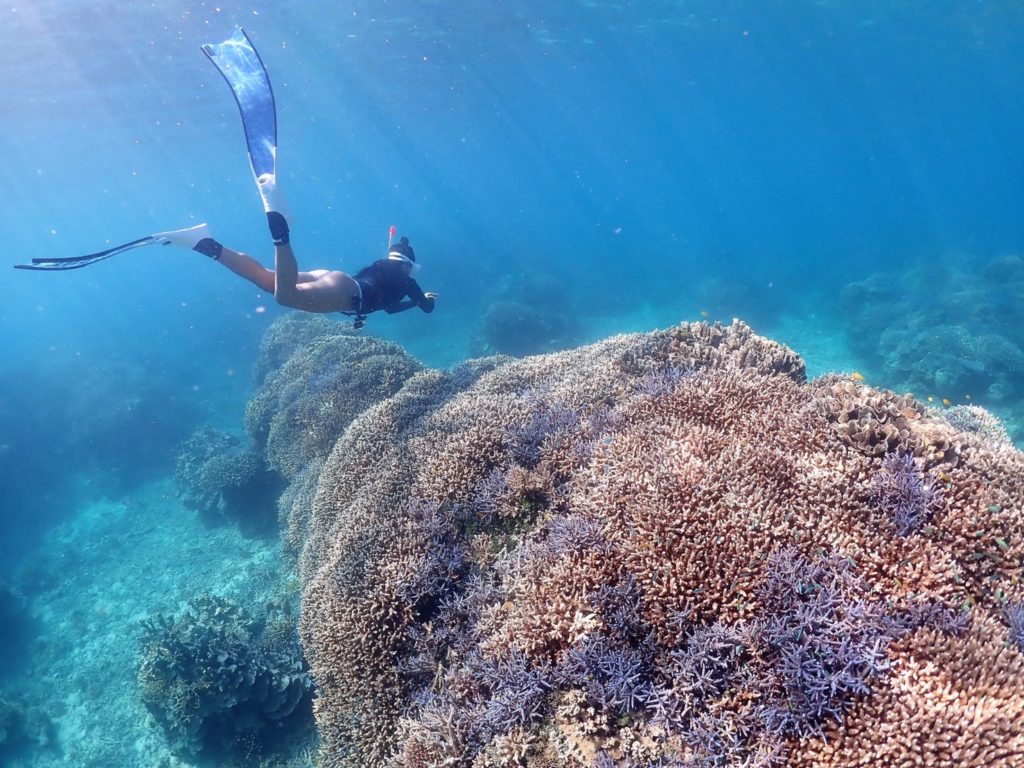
(330, 377)
(949, 701)
(910, 497)
(950, 334)
(518, 329)
(977, 420)
(878, 422)
(224, 481)
(527, 313)
(661, 549)
(290, 333)
(219, 681)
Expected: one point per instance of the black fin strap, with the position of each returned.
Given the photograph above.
(209, 247)
(278, 227)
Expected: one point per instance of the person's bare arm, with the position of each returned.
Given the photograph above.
(417, 298)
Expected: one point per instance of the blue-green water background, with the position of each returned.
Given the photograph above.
(656, 159)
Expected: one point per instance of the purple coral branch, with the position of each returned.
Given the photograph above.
(909, 496)
(1013, 612)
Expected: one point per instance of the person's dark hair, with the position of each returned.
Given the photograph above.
(403, 248)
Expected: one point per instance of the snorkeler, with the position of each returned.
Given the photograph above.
(387, 284)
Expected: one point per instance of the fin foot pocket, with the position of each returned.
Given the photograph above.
(188, 237)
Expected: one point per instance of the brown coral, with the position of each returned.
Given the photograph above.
(304, 406)
(481, 536)
(950, 702)
(876, 422)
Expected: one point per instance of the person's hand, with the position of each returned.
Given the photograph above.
(430, 295)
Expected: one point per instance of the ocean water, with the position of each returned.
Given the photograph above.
(847, 177)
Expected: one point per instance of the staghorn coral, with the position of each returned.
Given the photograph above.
(950, 701)
(215, 678)
(290, 333)
(901, 323)
(587, 557)
(828, 641)
(1013, 612)
(911, 498)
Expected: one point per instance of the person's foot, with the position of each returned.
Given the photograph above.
(195, 238)
(273, 203)
(273, 200)
(186, 238)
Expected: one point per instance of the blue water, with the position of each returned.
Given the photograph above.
(609, 166)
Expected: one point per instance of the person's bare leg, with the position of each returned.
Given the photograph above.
(266, 279)
(246, 266)
(318, 291)
(286, 274)
(199, 239)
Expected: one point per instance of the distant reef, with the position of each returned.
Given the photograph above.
(950, 334)
(664, 549)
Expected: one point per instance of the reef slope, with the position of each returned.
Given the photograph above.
(661, 549)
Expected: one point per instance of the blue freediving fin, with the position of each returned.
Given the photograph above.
(243, 70)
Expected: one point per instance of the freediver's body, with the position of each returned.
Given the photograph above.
(386, 285)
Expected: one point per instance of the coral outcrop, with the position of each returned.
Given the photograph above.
(329, 377)
(516, 328)
(220, 681)
(527, 313)
(662, 549)
(224, 481)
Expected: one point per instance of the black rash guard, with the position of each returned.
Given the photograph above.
(385, 284)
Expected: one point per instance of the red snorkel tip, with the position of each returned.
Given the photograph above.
(391, 235)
